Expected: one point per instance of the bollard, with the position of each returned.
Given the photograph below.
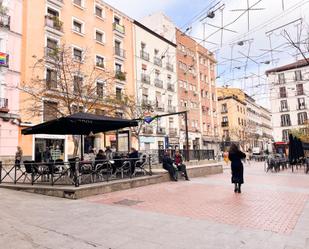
(0, 171)
(150, 167)
(52, 172)
(76, 176)
(15, 173)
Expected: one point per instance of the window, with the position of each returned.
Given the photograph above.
(49, 110)
(99, 61)
(118, 93)
(78, 2)
(284, 105)
(99, 36)
(302, 118)
(301, 104)
(51, 43)
(77, 26)
(298, 75)
(51, 78)
(98, 11)
(52, 12)
(239, 121)
(225, 119)
(285, 120)
(118, 67)
(224, 108)
(282, 93)
(299, 89)
(116, 20)
(77, 84)
(100, 89)
(77, 108)
(77, 54)
(281, 78)
(285, 135)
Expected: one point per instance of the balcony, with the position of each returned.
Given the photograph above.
(224, 124)
(195, 93)
(145, 78)
(5, 21)
(171, 109)
(172, 132)
(119, 28)
(170, 87)
(284, 109)
(285, 124)
(148, 130)
(146, 103)
(144, 55)
(120, 52)
(4, 103)
(282, 95)
(157, 61)
(54, 23)
(224, 111)
(301, 107)
(158, 83)
(169, 67)
(119, 75)
(204, 109)
(161, 131)
(51, 53)
(4, 60)
(160, 107)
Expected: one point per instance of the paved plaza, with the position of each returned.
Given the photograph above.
(272, 212)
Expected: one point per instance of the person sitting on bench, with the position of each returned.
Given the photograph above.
(168, 165)
(178, 160)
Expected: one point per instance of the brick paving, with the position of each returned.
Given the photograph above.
(276, 210)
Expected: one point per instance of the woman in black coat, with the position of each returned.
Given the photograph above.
(235, 156)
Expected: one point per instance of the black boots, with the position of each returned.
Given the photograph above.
(237, 188)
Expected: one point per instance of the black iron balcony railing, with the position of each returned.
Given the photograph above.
(144, 55)
(145, 78)
(119, 75)
(301, 107)
(169, 67)
(4, 103)
(284, 109)
(54, 22)
(120, 52)
(161, 131)
(5, 21)
(224, 111)
(158, 83)
(52, 53)
(160, 107)
(157, 61)
(4, 61)
(119, 28)
(170, 87)
(224, 124)
(146, 102)
(148, 130)
(285, 124)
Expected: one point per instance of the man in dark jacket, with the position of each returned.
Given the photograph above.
(133, 155)
(168, 165)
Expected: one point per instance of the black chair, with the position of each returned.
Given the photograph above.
(140, 165)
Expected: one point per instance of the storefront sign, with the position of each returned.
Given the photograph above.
(147, 139)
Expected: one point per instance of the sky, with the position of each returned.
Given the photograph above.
(252, 58)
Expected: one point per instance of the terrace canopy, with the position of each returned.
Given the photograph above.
(80, 124)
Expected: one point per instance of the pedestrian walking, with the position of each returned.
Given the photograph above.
(18, 157)
(235, 156)
(168, 165)
(178, 159)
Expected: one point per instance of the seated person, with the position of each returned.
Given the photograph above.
(168, 165)
(133, 155)
(178, 160)
(100, 157)
(117, 162)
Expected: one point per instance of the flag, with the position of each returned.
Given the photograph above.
(149, 119)
(2, 58)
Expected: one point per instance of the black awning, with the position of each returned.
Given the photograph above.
(80, 124)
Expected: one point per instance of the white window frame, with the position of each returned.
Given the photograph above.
(99, 81)
(95, 36)
(79, 48)
(103, 11)
(78, 75)
(81, 22)
(45, 74)
(104, 61)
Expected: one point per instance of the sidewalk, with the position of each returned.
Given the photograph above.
(272, 212)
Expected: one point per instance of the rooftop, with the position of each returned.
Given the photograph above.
(297, 64)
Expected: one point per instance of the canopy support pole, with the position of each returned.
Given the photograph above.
(82, 147)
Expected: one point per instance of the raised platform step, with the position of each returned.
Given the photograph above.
(82, 191)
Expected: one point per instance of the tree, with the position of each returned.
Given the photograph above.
(62, 84)
(130, 108)
(302, 133)
(244, 134)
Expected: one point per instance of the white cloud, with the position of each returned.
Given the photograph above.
(140, 8)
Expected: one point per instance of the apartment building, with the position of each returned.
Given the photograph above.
(243, 120)
(10, 49)
(100, 38)
(289, 90)
(196, 84)
(156, 87)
